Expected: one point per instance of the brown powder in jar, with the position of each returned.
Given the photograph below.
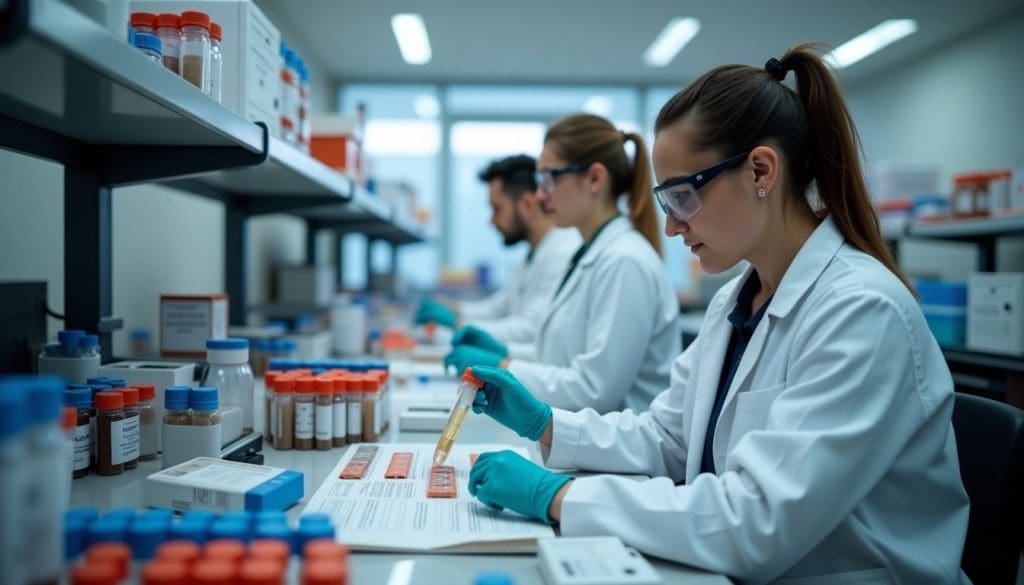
(193, 70)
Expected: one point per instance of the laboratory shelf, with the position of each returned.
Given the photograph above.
(970, 229)
(74, 94)
(70, 83)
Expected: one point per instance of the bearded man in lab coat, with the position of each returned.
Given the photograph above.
(510, 314)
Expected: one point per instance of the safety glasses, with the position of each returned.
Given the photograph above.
(679, 198)
(546, 178)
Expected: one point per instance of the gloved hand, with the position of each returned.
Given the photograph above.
(507, 401)
(464, 356)
(470, 335)
(504, 479)
(431, 310)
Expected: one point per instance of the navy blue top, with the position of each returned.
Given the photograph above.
(743, 326)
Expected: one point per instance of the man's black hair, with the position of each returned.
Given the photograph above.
(515, 172)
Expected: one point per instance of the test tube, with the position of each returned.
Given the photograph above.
(467, 391)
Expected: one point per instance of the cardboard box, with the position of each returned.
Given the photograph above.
(187, 321)
(205, 483)
(337, 142)
(995, 312)
(251, 80)
(161, 375)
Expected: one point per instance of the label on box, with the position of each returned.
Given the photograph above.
(324, 422)
(186, 324)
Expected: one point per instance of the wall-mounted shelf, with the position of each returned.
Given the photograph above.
(970, 229)
(75, 94)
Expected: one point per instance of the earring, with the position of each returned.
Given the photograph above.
(761, 193)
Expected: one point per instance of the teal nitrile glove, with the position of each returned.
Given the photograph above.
(507, 401)
(505, 479)
(431, 310)
(464, 356)
(475, 336)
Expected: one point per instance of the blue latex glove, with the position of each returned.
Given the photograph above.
(465, 356)
(507, 401)
(431, 310)
(504, 479)
(475, 336)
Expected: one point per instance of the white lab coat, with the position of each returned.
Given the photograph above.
(609, 337)
(510, 314)
(835, 453)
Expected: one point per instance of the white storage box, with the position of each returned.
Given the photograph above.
(251, 49)
(995, 312)
(205, 483)
(161, 375)
(187, 321)
(314, 286)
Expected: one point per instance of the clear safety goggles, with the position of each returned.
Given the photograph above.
(547, 177)
(679, 198)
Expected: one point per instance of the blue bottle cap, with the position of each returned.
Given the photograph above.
(13, 408)
(70, 337)
(227, 343)
(204, 517)
(105, 531)
(145, 537)
(161, 515)
(74, 537)
(78, 397)
(139, 334)
(45, 399)
(236, 516)
(193, 530)
(177, 398)
(493, 578)
(311, 531)
(275, 531)
(204, 398)
(85, 515)
(148, 41)
(123, 515)
(271, 516)
(109, 381)
(89, 341)
(232, 529)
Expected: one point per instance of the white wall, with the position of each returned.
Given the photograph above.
(959, 108)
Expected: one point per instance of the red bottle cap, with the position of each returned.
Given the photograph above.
(106, 401)
(168, 19)
(194, 18)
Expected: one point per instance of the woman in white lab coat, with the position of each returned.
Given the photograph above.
(805, 436)
(611, 331)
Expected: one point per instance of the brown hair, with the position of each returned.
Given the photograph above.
(737, 107)
(588, 139)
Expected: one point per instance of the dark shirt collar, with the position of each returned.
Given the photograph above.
(742, 321)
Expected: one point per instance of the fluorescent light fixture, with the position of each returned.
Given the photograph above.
(872, 41)
(426, 106)
(667, 45)
(599, 105)
(411, 34)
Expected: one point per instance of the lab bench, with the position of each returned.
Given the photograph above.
(125, 490)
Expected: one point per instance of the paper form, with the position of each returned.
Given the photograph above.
(375, 513)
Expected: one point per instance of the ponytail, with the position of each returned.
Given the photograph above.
(641, 200)
(737, 107)
(588, 139)
(834, 156)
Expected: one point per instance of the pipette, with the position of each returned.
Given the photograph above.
(467, 391)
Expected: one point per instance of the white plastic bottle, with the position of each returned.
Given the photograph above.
(231, 374)
(13, 458)
(46, 491)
